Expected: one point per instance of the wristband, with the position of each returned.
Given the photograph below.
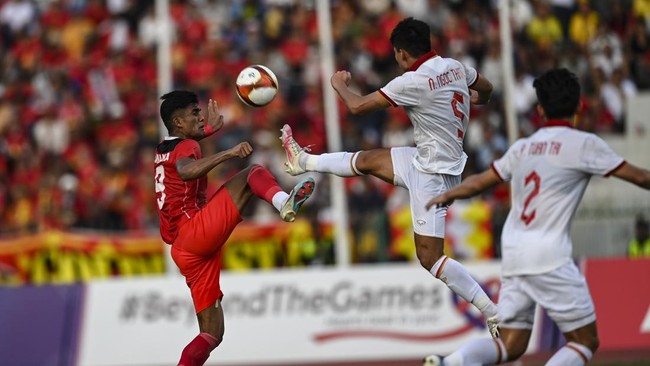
(207, 129)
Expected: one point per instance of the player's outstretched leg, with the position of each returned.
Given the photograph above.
(457, 279)
(299, 161)
(481, 351)
(298, 195)
(261, 183)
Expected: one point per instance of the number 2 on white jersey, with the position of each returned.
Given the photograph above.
(160, 185)
(534, 179)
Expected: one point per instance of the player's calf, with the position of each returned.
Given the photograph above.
(198, 350)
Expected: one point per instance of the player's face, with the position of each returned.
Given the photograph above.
(191, 122)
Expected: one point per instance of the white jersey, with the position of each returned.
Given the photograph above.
(549, 171)
(435, 95)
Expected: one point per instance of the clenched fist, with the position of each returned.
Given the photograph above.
(242, 150)
(340, 79)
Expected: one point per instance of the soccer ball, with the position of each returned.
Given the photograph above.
(256, 85)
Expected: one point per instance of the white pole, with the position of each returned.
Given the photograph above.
(164, 86)
(164, 54)
(508, 70)
(339, 201)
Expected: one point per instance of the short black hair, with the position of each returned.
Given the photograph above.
(412, 36)
(172, 102)
(558, 92)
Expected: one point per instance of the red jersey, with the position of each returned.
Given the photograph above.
(178, 200)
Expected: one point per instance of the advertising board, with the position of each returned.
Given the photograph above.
(283, 316)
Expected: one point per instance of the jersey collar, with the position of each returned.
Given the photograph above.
(421, 60)
(558, 123)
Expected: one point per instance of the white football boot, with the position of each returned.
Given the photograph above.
(493, 326)
(293, 151)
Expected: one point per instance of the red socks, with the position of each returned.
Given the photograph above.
(197, 351)
(262, 183)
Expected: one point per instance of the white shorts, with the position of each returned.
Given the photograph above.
(422, 187)
(562, 292)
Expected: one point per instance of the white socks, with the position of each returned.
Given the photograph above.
(572, 354)
(492, 351)
(456, 277)
(478, 352)
(279, 199)
(342, 164)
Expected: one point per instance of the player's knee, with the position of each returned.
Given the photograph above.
(198, 351)
(587, 336)
(514, 350)
(515, 344)
(428, 255)
(427, 258)
(253, 167)
(214, 339)
(426, 262)
(592, 342)
(593, 346)
(218, 341)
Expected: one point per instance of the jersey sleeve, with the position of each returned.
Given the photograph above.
(505, 164)
(401, 91)
(471, 75)
(597, 157)
(188, 148)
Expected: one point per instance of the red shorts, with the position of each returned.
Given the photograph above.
(197, 248)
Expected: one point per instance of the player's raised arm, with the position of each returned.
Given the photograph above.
(189, 168)
(355, 103)
(634, 175)
(471, 186)
(481, 90)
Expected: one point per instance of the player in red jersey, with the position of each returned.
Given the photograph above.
(196, 226)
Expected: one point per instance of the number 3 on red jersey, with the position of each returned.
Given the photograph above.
(160, 186)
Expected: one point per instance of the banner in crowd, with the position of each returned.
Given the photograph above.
(61, 257)
(67, 257)
(275, 245)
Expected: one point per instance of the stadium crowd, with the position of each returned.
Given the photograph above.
(79, 98)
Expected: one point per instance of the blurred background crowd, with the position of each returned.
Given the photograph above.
(79, 99)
